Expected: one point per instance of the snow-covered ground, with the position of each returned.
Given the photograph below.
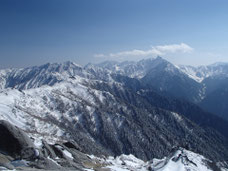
(179, 160)
(32, 109)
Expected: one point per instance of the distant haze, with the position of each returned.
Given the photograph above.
(183, 32)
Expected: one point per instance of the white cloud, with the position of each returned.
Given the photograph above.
(183, 48)
(153, 51)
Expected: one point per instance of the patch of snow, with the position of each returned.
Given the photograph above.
(191, 72)
(38, 142)
(54, 161)
(182, 160)
(65, 152)
(177, 116)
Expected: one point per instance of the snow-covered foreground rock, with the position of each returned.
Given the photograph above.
(183, 160)
(180, 160)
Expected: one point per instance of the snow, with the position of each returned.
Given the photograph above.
(177, 116)
(54, 161)
(33, 109)
(38, 142)
(181, 160)
(65, 152)
(191, 72)
(201, 72)
(68, 154)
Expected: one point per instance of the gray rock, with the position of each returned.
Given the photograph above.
(44, 163)
(5, 161)
(72, 144)
(30, 153)
(48, 150)
(13, 140)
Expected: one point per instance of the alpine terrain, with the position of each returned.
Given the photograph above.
(145, 115)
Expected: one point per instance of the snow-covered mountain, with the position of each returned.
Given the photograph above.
(214, 80)
(201, 85)
(36, 76)
(157, 74)
(136, 69)
(202, 72)
(96, 112)
(95, 106)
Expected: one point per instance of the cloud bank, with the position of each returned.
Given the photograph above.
(153, 51)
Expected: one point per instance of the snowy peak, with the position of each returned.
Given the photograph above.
(202, 72)
(136, 69)
(47, 74)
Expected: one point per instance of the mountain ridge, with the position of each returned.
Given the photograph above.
(184, 82)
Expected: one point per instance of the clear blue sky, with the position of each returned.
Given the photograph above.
(33, 32)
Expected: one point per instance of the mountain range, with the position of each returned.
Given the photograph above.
(143, 108)
(201, 85)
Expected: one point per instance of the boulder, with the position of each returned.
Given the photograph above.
(45, 163)
(48, 150)
(72, 144)
(5, 161)
(14, 141)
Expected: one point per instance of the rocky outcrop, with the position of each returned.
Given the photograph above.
(14, 141)
(17, 151)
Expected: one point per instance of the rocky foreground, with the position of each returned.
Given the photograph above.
(18, 152)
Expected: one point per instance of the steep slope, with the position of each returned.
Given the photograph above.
(167, 79)
(214, 79)
(185, 108)
(36, 76)
(201, 85)
(130, 68)
(158, 74)
(202, 72)
(216, 99)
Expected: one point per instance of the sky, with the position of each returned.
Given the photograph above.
(189, 32)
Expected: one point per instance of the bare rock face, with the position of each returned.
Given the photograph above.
(14, 141)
